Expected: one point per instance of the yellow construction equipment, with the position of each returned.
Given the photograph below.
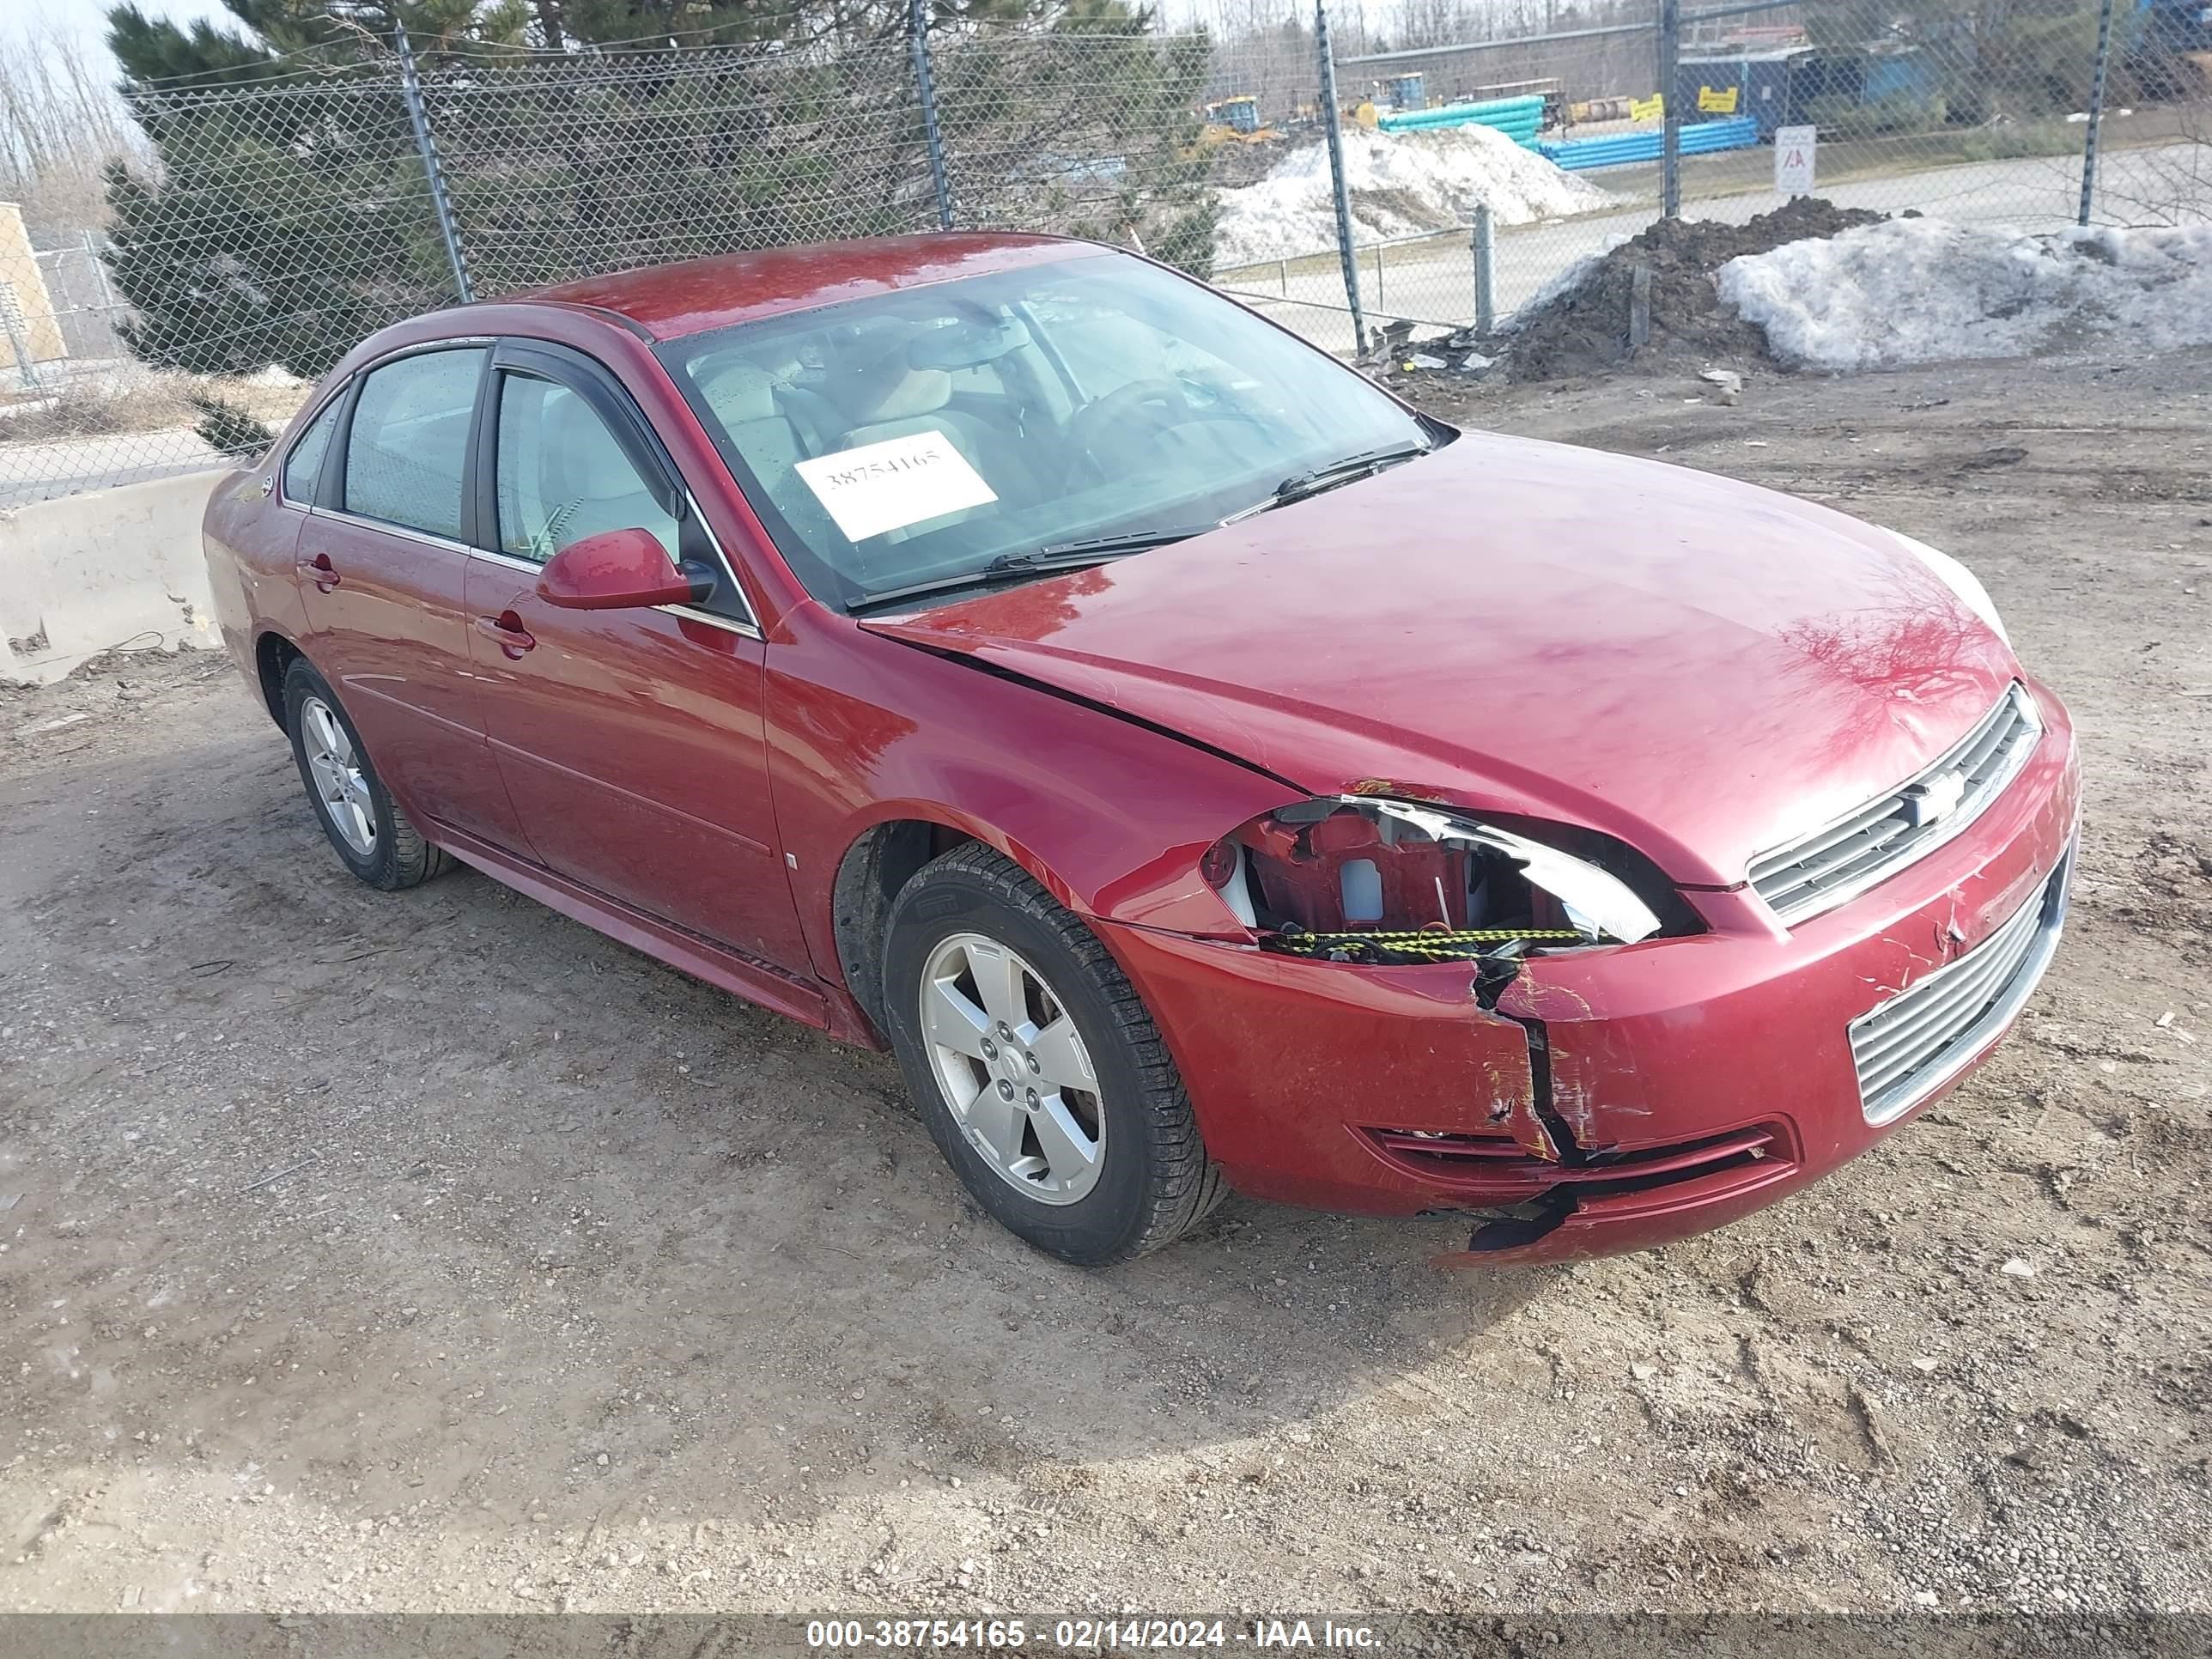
(1234, 121)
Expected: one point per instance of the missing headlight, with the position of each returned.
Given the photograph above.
(1364, 878)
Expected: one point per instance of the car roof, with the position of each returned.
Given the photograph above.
(669, 301)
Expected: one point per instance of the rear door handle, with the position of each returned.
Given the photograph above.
(319, 571)
(506, 629)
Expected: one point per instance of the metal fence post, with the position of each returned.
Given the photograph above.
(99, 272)
(2096, 110)
(411, 87)
(1331, 124)
(1670, 43)
(918, 19)
(26, 367)
(1485, 269)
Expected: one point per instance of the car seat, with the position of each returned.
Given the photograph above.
(752, 407)
(887, 397)
(586, 483)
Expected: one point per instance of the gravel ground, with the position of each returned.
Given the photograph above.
(431, 1252)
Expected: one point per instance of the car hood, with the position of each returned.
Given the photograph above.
(1699, 667)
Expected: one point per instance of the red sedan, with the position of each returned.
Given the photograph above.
(1198, 768)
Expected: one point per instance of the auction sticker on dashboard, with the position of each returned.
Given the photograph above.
(899, 482)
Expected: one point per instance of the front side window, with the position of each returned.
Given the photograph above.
(562, 477)
(909, 438)
(303, 467)
(409, 442)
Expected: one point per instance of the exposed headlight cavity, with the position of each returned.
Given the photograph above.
(1357, 868)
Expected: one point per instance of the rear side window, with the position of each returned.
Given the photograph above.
(303, 467)
(410, 440)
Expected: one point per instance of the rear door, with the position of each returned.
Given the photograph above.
(383, 562)
(252, 534)
(295, 484)
(631, 741)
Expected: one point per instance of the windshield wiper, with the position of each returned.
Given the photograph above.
(1352, 468)
(1053, 556)
(1128, 541)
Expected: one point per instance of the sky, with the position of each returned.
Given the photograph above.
(23, 21)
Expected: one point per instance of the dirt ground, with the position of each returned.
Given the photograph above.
(430, 1252)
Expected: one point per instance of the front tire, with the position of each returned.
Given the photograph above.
(377, 840)
(1040, 1074)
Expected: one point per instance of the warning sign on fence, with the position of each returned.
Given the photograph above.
(1793, 161)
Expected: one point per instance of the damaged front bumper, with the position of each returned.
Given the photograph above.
(1616, 1098)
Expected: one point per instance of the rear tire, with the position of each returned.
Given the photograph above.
(377, 840)
(1067, 1059)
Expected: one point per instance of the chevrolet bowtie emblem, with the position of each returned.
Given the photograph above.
(1934, 800)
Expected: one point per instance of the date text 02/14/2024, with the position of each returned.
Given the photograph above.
(1086, 1635)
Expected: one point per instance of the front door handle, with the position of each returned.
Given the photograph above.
(319, 571)
(506, 629)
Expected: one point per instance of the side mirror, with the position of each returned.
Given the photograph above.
(616, 570)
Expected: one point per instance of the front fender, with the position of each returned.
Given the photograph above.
(1109, 815)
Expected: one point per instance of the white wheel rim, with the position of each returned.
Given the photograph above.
(340, 787)
(1012, 1069)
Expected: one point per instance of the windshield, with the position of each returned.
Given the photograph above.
(910, 439)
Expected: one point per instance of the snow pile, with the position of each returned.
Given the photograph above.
(1400, 185)
(1924, 290)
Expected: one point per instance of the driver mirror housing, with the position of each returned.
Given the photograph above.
(618, 570)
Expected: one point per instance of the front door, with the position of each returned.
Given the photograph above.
(383, 566)
(631, 741)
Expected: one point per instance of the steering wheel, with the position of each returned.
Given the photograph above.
(1159, 403)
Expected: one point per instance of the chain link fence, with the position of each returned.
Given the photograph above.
(1985, 114)
(1090, 131)
(565, 166)
(273, 224)
(284, 221)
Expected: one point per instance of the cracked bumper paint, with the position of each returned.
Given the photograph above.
(1733, 1044)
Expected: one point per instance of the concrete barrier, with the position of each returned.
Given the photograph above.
(111, 569)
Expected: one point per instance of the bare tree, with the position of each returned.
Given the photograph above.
(2164, 185)
(60, 125)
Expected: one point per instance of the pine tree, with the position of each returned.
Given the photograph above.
(227, 430)
(289, 215)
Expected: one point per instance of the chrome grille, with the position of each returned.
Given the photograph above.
(1920, 1039)
(1850, 855)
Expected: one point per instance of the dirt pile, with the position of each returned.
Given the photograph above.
(1232, 166)
(1582, 327)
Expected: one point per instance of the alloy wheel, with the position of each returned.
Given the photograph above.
(337, 771)
(1012, 1068)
